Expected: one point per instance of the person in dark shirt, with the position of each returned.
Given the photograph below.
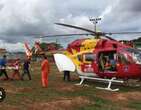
(26, 69)
(3, 67)
(66, 76)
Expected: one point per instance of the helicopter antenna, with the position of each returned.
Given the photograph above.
(95, 21)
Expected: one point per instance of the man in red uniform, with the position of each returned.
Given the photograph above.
(45, 71)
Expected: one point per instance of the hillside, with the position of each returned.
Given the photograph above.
(137, 42)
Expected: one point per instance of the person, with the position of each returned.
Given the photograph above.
(102, 61)
(66, 75)
(107, 65)
(45, 71)
(113, 64)
(3, 62)
(16, 69)
(26, 71)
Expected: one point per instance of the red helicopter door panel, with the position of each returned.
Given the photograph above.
(126, 67)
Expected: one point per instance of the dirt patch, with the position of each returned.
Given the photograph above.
(132, 95)
(125, 108)
(8, 107)
(61, 104)
(67, 87)
(121, 96)
(9, 88)
(25, 89)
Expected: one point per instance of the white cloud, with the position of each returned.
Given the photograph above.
(109, 9)
(19, 17)
(12, 47)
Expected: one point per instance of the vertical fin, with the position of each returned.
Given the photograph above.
(27, 50)
(38, 49)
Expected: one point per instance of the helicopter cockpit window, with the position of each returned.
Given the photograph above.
(135, 54)
(122, 58)
(107, 61)
(89, 57)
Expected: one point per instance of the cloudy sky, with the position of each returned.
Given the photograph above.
(21, 20)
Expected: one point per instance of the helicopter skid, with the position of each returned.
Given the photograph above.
(108, 89)
(101, 79)
(82, 80)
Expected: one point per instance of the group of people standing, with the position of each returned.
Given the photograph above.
(45, 69)
(15, 68)
(26, 65)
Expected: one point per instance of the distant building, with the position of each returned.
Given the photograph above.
(2, 52)
(50, 47)
(128, 43)
(15, 55)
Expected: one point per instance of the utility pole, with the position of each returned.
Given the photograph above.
(95, 21)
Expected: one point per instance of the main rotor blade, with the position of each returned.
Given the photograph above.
(109, 38)
(110, 33)
(64, 35)
(96, 33)
(76, 27)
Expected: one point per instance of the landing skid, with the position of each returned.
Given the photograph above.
(101, 79)
(108, 89)
(132, 83)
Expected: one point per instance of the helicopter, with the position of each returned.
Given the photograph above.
(38, 51)
(88, 57)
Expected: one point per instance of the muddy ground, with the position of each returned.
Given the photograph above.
(61, 95)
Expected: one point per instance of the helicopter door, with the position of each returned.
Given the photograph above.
(88, 62)
(107, 62)
(124, 64)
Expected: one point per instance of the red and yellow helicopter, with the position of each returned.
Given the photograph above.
(103, 59)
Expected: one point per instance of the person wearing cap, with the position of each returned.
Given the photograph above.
(3, 62)
(66, 76)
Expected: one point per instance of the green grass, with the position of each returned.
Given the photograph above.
(32, 91)
(135, 104)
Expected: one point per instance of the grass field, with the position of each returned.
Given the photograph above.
(60, 95)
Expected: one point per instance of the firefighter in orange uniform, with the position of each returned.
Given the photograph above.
(45, 71)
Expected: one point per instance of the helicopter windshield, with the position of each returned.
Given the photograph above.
(136, 54)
